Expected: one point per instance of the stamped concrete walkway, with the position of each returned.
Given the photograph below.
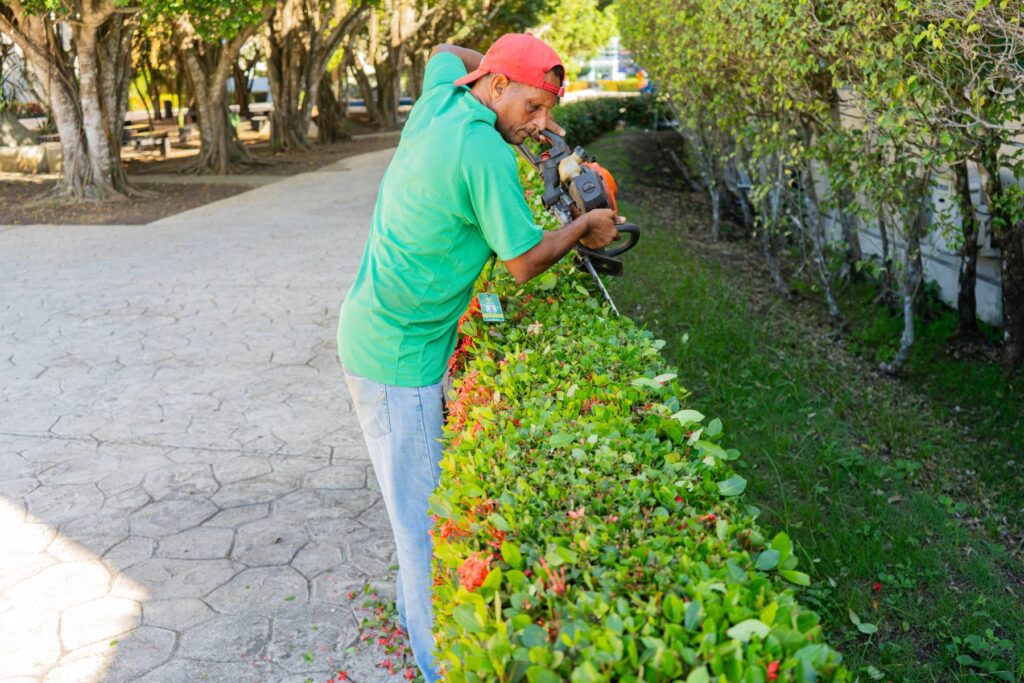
(180, 468)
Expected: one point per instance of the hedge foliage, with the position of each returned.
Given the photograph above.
(588, 521)
(586, 120)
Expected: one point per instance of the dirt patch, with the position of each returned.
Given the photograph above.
(23, 199)
(24, 203)
(270, 162)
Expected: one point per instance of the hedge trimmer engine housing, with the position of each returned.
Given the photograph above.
(574, 184)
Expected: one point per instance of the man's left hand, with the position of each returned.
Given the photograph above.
(554, 128)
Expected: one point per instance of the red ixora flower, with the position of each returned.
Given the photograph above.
(773, 671)
(877, 586)
(473, 571)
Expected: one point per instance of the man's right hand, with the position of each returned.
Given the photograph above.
(601, 230)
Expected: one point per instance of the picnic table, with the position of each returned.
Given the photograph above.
(129, 130)
(152, 138)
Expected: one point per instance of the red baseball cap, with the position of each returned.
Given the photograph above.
(519, 57)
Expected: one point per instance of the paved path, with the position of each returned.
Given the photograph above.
(180, 467)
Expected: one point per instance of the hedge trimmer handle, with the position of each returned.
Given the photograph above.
(634, 236)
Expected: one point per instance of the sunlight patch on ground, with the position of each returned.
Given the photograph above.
(61, 607)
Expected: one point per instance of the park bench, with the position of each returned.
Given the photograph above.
(152, 138)
(130, 130)
(260, 123)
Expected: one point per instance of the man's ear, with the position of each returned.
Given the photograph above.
(499, 85)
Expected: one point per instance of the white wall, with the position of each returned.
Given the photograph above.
(941, 261)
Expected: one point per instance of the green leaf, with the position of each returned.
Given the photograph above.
(536, 674)
(694, 615)
(559, 440)
(768, 560)
(548, 281)
(714, 428)
(699, 675)
(533, 636)
(793, 576)
(667, 377)
(688, 416)
(674, 608)
(466, 617)
(732, 486)
(499, 522)
(510, 553)
(867, 629)
(747, 629)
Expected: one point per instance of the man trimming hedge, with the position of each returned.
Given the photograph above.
(449, 202)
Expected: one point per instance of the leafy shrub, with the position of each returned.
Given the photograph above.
(586, 120)
(588, 523)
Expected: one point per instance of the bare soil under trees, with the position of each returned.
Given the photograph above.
(24, 198)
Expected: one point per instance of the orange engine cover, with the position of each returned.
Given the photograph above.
(610, 186)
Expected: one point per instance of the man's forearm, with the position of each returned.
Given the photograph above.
(553, 246)
(471, 58)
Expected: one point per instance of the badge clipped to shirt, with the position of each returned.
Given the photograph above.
(490, 307)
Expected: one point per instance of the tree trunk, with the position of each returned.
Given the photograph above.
(241, 81)
(913, 269)
(853, 252)
(706, 161)
(967, 303)
(207, 67)
(1007, 229)
(116, 75)
(388, 77)
(417, 69)
(767, 241)
(847, 217)
(888, 295)
(369, 98)
(331, 124)
(285, 48)
(76, 169)
(85, 100)
(299, 42)
(816, 232)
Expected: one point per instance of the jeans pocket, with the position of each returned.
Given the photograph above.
(371, 403)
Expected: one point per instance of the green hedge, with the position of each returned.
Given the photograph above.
(588, 522)
(586, 120)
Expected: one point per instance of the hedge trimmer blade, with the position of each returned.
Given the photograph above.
(600, 285)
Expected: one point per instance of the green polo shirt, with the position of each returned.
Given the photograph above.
(450, 199)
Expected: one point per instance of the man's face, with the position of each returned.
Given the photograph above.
(523, 110)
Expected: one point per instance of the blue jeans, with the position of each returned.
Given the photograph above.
(402, 428)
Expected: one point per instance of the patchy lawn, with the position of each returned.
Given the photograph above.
(907, 506)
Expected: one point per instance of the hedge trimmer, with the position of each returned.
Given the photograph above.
(575, 183)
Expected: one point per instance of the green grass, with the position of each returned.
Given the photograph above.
(877, 480)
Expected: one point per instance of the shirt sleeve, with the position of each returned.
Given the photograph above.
(442, 69)
(495, 194)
